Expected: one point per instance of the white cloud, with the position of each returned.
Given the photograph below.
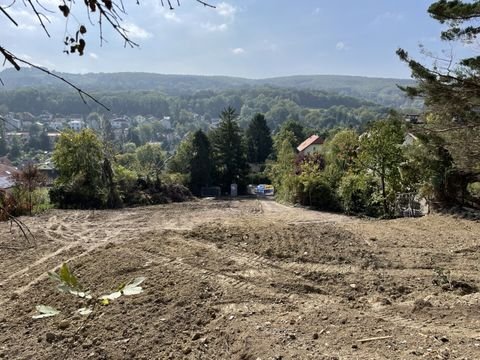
(136, 32)
(226, 10)
(214, 28)
(316, 11)
(26, 20)
(341, 46)
(172, 16)
(238, 51)
(93, 56)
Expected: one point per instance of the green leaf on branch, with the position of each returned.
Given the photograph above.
(68, 282)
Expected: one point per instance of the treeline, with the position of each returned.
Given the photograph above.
(378, 90)
(93, 173)
(373, 173)
(358, 172)
(196, 110)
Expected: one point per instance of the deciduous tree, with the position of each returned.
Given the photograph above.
(381, 154)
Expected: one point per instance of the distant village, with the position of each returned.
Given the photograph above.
(20, 128)
(19, 125)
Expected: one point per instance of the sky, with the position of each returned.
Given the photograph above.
(245, 38)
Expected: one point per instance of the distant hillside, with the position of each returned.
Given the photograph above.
(378, 90)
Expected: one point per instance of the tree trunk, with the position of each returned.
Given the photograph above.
(384, 195)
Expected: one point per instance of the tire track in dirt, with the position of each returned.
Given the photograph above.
(400, 321)
(286, 271)
(268, 275)
(289, 271)
(85, 233)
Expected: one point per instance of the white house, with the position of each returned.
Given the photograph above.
(312, 145)
(76, 125)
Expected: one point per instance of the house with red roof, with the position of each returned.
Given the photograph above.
(312, 145)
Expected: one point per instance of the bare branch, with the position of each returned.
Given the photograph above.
(8, 16)
(14, 60)
(206, 4)
(39, 16)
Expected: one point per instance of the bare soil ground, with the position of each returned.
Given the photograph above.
(244, 279)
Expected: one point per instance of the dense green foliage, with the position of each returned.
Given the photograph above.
(78, 158)
(229, 151)
(259, 140)
(201, 164)
(356, 173)
(378, 90)
(380, 154)
(451, 90)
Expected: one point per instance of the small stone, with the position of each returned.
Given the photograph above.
(187, 350)
(64, 324)
(13, 296)
(231, 317)
(353, 286)
(444, 339)
(196, 336)
(87, 344)
(315, 336)
(50, 337)
(292, 336)
(354, 346)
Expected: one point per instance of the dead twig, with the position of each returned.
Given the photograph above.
(374, 339)
(25, 230)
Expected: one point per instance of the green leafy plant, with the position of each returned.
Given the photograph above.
(68, 283)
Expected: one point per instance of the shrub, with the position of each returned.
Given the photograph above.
(77, 194)
(357, 194)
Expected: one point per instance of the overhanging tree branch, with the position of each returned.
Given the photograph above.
(14, 60)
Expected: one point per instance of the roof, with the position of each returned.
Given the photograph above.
(6, 178)
(312, 140)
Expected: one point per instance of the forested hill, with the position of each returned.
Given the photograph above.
(378, 90)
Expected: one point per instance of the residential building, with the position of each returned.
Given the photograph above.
(311, 145)
(7, 179)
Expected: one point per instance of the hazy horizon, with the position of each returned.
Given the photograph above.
(249, 38)
(220, 75)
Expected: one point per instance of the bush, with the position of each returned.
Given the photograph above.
(151, 192)
(357, 195)
(78, 195)
(322, 197)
